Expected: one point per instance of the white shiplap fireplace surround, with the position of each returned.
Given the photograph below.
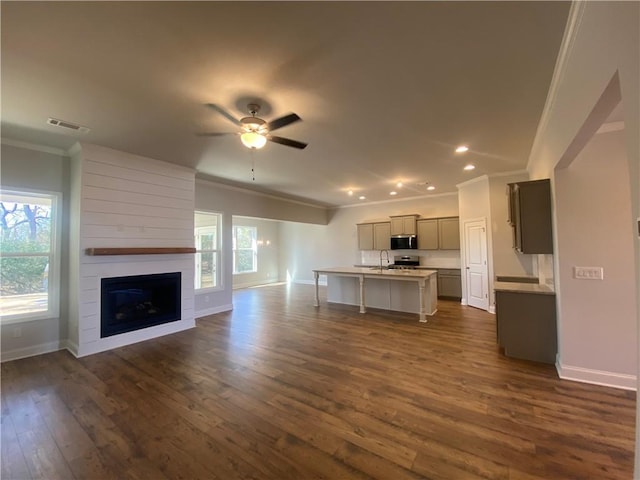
(120, 200)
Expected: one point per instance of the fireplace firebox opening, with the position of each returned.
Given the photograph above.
(140, 301)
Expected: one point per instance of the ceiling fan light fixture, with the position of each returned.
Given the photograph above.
(253, 140)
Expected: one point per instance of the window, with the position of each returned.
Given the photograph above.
(207, 236)
(29, 256)
(245, 249)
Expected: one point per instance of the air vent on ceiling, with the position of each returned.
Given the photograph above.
(68, 125)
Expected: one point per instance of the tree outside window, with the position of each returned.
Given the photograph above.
(27, 261)
(245, 249)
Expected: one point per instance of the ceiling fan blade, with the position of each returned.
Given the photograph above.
(213, 134)
(224, 113)
(282, 121)
(287, 142)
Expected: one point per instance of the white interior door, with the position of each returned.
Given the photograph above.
(476, 271)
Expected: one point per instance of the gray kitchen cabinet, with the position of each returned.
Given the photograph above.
(428, 234)
(449, 283)
(526, 325)
(530, 216)
(403, 224)
(374, 236)
(382, 236)
(365, 236)
(449, 233)
(439, 233)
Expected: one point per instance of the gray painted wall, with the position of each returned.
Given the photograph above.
(230, 202)
(38, 170)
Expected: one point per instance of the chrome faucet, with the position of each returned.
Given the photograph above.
(386, 252)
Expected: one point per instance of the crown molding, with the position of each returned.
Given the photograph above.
(33, 146)
(574, 20)
(473, 180)
(396, 200)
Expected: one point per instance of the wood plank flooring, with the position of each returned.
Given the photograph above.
(278, 389)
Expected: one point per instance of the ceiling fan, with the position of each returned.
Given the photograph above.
(254, 131)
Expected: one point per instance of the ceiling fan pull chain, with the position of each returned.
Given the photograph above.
(253, 165)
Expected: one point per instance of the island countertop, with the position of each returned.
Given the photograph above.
(376, 272)
(397, 294)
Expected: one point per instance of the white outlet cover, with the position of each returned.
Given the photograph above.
(588, 273)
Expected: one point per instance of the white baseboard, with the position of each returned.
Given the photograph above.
(597, 377)
(213, 310)
(492, 309)
(463, 301)
(33, 350)
(72, 347)
(260, 283)
(310, 282)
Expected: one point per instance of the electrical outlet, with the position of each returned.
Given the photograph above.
(17, 332)
(588, 273)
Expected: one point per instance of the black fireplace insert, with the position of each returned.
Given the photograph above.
(139, 301)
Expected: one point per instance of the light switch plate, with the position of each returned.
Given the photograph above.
(588, 273)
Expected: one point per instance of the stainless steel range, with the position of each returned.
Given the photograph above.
(408, 262)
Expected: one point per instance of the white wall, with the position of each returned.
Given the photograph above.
(305, 247)
(602, 41)
(268, 236)
(598, 328)
(26, 167)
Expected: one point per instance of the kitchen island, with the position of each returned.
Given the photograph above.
(412, 291)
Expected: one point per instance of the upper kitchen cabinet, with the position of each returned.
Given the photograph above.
(449, 233)
(403, 224)
(428, 234)
(374, 236)
(439, 234)
(530, 216)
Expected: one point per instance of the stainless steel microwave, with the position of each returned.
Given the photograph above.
(404, 242)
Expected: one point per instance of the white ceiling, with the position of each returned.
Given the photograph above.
(386, 90)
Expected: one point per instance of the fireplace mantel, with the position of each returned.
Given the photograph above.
(139, 251)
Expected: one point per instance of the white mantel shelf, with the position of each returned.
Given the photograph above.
(426, 281)
(139, 251)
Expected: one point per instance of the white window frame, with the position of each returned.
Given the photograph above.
(254, 249)
(53, 274)
(217, 251)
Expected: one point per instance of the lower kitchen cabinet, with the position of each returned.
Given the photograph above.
(526, 325)
(449, 284)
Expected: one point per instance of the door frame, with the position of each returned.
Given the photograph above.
(463, 257)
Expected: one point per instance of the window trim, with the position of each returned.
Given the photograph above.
(55, 253)
(254, 249)
(219, 270)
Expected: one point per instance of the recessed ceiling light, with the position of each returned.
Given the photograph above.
(393, 193)
(462, 149)
(431, 187)
(361, 197)
(350, 192)
(469, 167)
(399, 184)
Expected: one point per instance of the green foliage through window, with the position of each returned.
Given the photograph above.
(26, 252)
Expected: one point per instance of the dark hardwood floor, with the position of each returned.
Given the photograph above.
(278, 389)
